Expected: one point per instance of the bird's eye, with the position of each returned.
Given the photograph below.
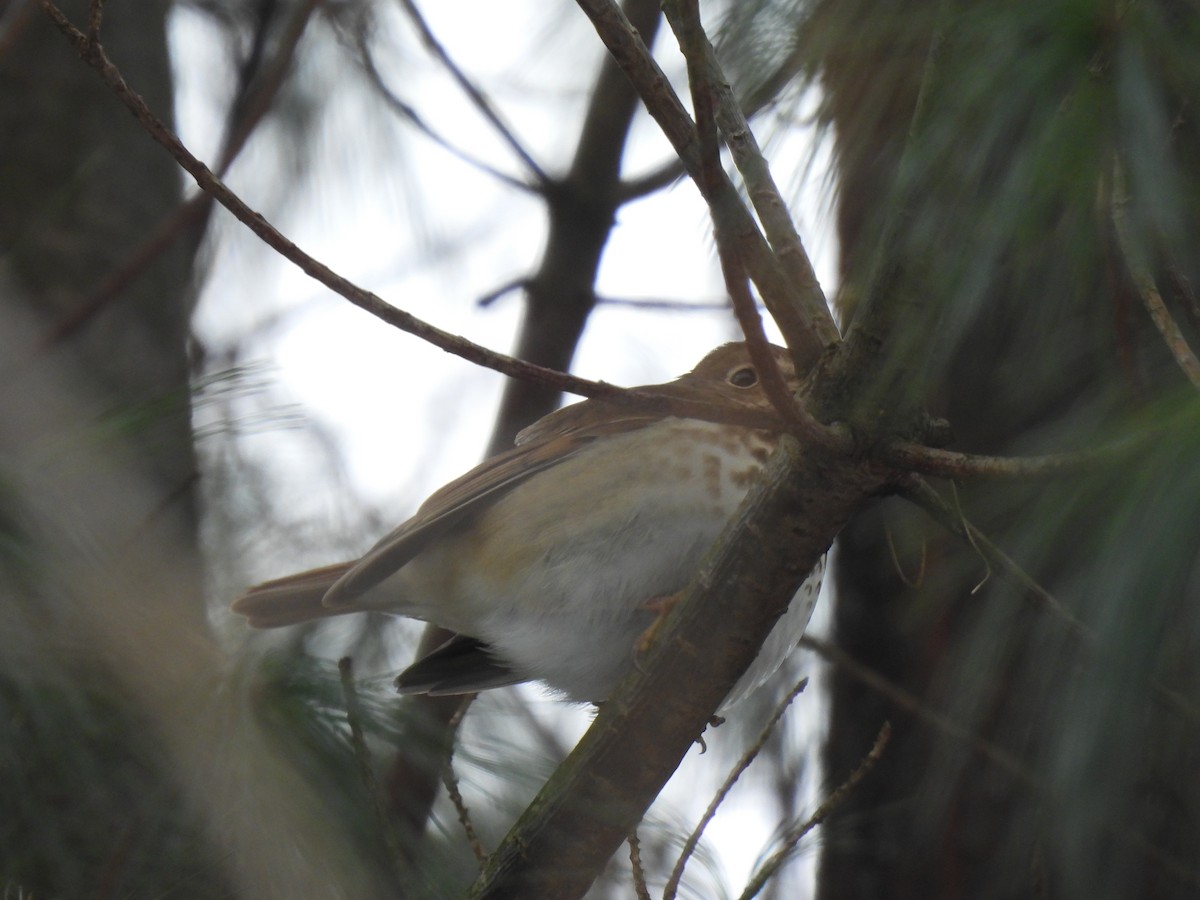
(744, 377)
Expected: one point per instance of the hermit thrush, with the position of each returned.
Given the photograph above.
(552, 559)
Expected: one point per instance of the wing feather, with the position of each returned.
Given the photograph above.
(475, 491)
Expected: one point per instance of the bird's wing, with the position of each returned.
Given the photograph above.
(462, 665)
(476, 490)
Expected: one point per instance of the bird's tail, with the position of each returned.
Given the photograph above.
(287, 601)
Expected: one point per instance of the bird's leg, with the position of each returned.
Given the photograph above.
(661, 607)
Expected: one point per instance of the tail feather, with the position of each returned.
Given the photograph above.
(290, 600)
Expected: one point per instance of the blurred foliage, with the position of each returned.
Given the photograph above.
(984, 151)
(87, 811)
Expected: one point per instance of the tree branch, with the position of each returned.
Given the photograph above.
(729, 213)
(476, 96)
(776, 860)
(409, 113)
(953, 464)
(94, 56)
(1138, 268)
(704, 69)
(250, 107)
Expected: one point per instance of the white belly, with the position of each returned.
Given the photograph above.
(563, 566)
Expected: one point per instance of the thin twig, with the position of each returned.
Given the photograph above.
(776, 860)
(693, 42)
(355, 717)
(450, 780)
(727, 209)
(264, 86)
(409, 112)
(188, 215)
(651, 182)
(655, 305)
(689, 847)
(641, 891)
(953, 464)
(776, 389)
(760, 185)
(95, 57)
(515, 284)
(476, 96)
(95, 18)
(1139, 269)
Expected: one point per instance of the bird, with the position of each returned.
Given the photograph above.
(554, 561)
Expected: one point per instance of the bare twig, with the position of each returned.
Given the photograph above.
(95, 18)
(264, 85)
(1139, 269)
(496, 293)
(94, 55)
(952, 464)
(776, 860)
(476, 96)
(773, 384)
(641, 891)
(689, 847)
(655, 180)
(355, 717)
(450, 779)
(651, 304)
(692, 42)
(768, 202)
(409, 112)
(726, 207)
(189, 215)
